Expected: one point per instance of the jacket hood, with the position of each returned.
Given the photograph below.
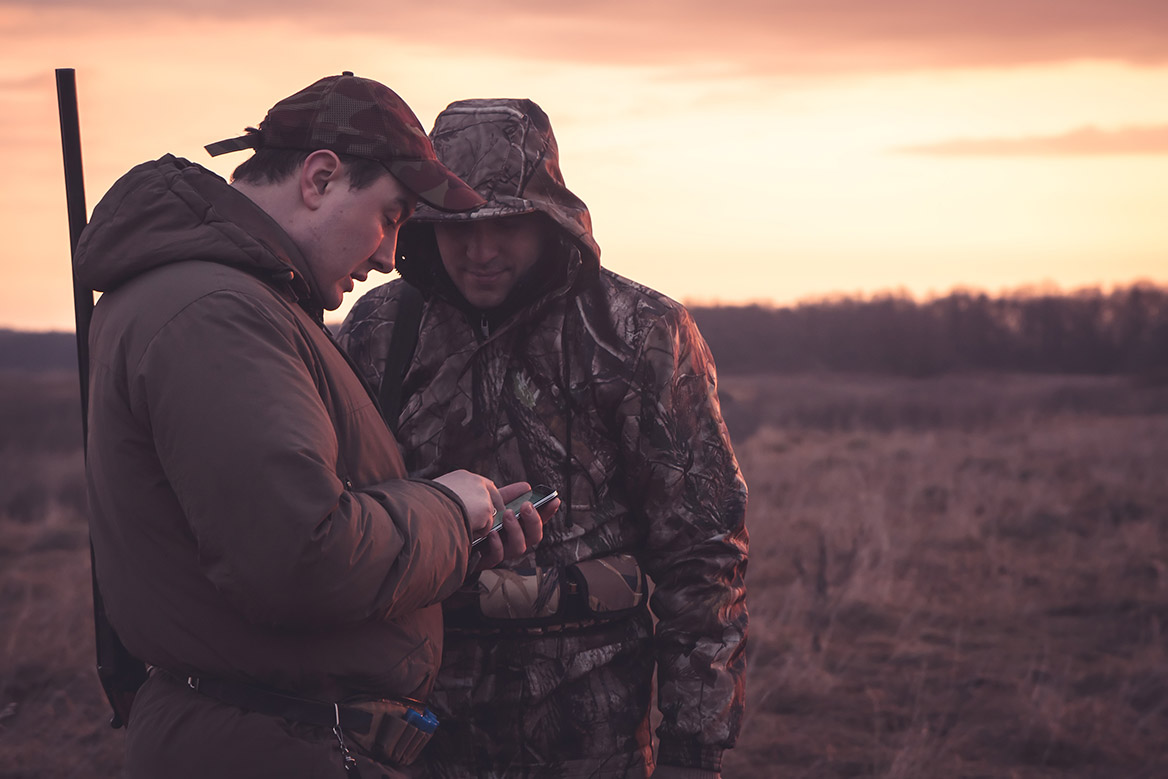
(505, 149)
(172, 210)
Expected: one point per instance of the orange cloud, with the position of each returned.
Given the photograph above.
(1084, 141)
(759, 36)
(23, 84)
(28, 114)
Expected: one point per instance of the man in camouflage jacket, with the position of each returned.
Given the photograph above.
(551, 369)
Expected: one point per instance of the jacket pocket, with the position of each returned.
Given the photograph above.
(521, 594)
(587, 592)
(609, 586)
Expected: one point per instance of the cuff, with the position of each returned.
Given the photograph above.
(677, 772)
(453, 497)
(471, 559)
(686, 754)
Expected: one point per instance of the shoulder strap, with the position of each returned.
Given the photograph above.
(402, 344)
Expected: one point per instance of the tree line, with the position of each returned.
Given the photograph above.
(1124, 331)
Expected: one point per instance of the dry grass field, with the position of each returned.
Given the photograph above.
(958, 577)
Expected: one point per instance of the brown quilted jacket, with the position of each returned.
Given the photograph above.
(251, 515)
(595, 385)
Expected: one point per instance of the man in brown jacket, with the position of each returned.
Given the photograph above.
(256, 539)
(533, 362)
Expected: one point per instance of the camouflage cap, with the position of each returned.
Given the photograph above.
(362, 118)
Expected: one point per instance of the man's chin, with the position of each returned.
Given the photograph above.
(480, 297)
(485, 302)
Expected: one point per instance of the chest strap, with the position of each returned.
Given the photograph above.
(402, 344)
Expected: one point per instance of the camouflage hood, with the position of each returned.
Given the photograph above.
(506, 150)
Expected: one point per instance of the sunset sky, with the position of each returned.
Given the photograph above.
(734, 151)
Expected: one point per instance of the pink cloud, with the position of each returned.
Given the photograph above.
(757, 36)
(32, 83)
(1084, 141)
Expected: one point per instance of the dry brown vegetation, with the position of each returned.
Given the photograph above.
(960, 576)
(52, 712)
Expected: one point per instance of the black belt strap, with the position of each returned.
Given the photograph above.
(288, 707)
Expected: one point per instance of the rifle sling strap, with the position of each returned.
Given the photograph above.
(402, 344)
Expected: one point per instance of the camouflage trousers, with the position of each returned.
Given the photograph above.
(565, 705)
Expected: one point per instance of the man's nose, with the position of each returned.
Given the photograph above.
(481, 245)
(384, 258)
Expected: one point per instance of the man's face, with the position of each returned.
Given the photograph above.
(486, 257)
(353, 232)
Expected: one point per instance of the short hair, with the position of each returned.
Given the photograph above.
(271, 166)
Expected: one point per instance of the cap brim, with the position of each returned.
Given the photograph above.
(434, 184)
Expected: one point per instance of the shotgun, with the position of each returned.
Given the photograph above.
(121, 673)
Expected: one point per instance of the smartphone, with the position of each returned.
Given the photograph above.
(540, 495)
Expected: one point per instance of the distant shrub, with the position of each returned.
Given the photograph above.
(40, 411)
(23, 351)
(1086, 332)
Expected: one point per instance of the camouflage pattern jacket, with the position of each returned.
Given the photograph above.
(605, 390)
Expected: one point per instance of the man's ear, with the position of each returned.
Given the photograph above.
(320, 170)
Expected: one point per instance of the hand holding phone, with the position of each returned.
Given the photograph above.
(539, 496)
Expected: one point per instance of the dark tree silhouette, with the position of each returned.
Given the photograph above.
(1088, 331)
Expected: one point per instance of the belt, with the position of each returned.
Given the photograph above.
(274, 704)
(387, 730)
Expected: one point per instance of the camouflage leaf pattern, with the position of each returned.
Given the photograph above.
(505, 149)
(610, 397)
(605, 390)
(363, 118)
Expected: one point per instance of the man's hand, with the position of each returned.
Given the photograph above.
(478, 495)
(483, 501)
(519, 533)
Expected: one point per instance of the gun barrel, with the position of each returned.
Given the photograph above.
(75, 202)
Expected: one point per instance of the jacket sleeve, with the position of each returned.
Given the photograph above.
(679, 454)
(233, 398)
